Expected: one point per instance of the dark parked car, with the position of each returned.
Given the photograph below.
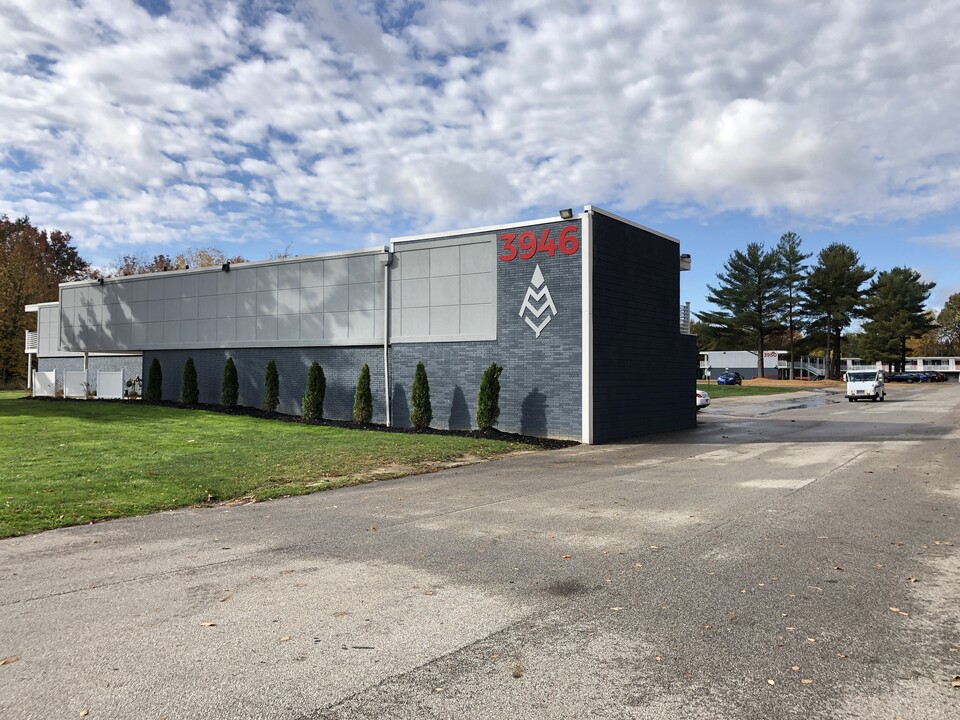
(730, 378)
(911, 377)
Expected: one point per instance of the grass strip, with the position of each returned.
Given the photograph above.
(723, 391)
(74, 462)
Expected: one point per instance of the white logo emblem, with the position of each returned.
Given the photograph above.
(538, 292)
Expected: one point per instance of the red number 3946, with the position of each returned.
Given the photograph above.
(526, 244)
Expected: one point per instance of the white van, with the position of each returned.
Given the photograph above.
(864, 384)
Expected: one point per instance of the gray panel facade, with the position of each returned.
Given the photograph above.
(540, 385)
(636, 286)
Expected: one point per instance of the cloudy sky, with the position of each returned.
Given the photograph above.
(154, 125)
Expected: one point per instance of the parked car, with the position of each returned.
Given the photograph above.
(702, 400)
(902, 377)
(937, 375)
(730, 378)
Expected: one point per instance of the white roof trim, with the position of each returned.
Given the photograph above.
(477, 230)
(595, 209)
(35, 307)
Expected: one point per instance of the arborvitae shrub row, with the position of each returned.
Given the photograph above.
(421, 411)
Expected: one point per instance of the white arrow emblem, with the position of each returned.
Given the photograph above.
(538, 292)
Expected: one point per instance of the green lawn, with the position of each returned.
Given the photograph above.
(722, 391)
(73, 462)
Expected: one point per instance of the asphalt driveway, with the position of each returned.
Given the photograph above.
(783, 561)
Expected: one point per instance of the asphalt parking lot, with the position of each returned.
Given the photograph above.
(790, 557)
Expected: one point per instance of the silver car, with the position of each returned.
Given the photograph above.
(702, 400)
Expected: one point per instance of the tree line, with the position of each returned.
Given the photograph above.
(774, 296)
(33, 263)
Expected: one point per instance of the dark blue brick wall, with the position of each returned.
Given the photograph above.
(644, 369)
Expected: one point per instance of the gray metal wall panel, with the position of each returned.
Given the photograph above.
(247, 302)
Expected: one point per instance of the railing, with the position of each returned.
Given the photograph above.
(32, 342)
(685, 318)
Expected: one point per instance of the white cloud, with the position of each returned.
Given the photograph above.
(136, 127)
(947, 239)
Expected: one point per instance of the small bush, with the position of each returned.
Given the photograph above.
(363, 398)
(488, 399)
(271, 388)
(316, 389)
(421, 412)
(154, 390)
(230, 387)
(189, 391)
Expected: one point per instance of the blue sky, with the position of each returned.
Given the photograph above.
(153, 126)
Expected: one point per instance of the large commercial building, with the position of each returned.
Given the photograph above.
(572, 307)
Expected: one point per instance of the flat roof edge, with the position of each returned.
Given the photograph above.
(475, 230)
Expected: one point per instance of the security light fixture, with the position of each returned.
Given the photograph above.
(566, 214)
(99, 281)
(225, 267)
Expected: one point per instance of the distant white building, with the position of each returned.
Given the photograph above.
(716, 362)
(776, 365)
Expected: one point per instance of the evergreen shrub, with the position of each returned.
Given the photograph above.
(363, 397)
(421, 413)
(488, 399)
(313, 397)
(230, 387)
(189, 390)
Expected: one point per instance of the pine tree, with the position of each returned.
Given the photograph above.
(834, 297)
(230, 387)
(363, 398)
(488, 398)
(949, 324)
(895, 308)
(749, 297)
(189, 390)
(792, 276)
(154, 390)
(421, 413)
(316, 389)
(271, 388)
